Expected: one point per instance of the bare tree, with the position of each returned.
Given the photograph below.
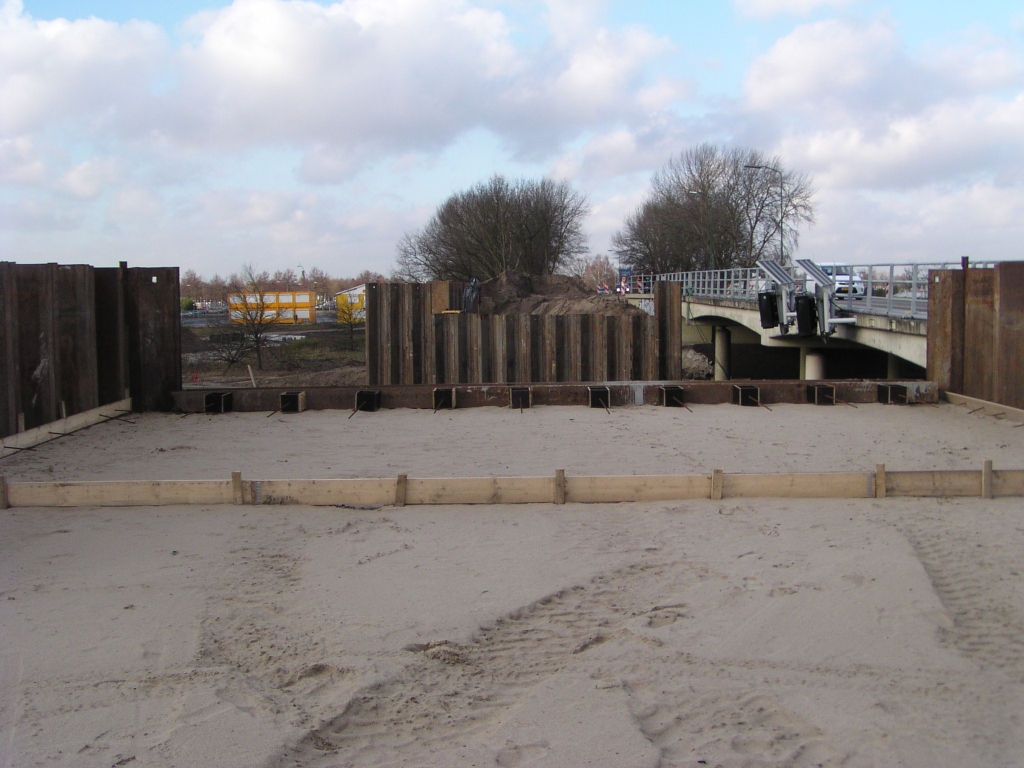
(248, 305)
(216, 289)
(321, 284)
(593, 271)
(284, 280)
(191, 285)
(712, 208)
(524, 226)
(230, 347)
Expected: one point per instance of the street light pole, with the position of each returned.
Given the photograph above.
(782, 218)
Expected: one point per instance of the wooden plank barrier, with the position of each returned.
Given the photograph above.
(481, 490)
(1008, 482)
(830, 485)
(556, 489)
(985, 406)
(46, 432)
(121, 493)
(354, 492)
(938, 484)
(637, 488)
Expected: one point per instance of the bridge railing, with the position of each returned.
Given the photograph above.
(895, 289)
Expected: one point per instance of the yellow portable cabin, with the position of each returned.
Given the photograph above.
(351, 304)
(286, 307)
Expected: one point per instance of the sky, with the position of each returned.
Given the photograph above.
(293, 134)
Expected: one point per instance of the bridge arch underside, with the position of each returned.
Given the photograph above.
(875, 347)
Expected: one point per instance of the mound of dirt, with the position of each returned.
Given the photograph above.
(190, 342)
(512, 293)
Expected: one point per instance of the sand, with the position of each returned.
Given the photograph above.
(733, 633)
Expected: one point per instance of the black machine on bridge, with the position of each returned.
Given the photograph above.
(784, 301)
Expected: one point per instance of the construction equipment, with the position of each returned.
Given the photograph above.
(776, 302)
(824, 298)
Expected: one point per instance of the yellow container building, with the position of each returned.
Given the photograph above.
(351, 304)
(284, 307)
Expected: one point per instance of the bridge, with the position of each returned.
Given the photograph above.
(885, 306)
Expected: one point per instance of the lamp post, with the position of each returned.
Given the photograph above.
(782, 219)
(705, 224)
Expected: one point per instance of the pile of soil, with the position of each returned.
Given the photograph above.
(190, 342)
(512, 293)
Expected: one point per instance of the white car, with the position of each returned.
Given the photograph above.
(848, 282)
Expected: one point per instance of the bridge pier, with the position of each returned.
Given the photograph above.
(723, 350)
(892, 366)
(812, 364)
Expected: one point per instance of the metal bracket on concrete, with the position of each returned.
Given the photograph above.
(368, 400)
(600, 397)
(893, 394)
(218, 402)
(821, 394)
(520, 397)
(672, 397)
(293, 402)
(746, 394)
(444, 398)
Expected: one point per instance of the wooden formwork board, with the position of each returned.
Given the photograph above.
(354, 492)
(42, 434)
(948, 483)
(637, 488)
(1008, 482)
(939, 483)
(831, 485)
(120, 493)
(481, 490)
(558, 489)
(975, 405)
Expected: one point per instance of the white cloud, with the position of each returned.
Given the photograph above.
(34, 215)
(768, 8)
(134, 205)
(20, 162)
(932, 223)
(246, 209)
(982, 62)
(187, 148)
(354, 80)
(868, 114)
(399, 76)
(87, 180)
(954, 140)
(825, 63)
(60, 72)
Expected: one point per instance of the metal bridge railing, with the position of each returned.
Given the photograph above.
(894, 290)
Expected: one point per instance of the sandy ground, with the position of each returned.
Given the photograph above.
(733, 633)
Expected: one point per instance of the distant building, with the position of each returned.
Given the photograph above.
(351, 304)
(287, 307)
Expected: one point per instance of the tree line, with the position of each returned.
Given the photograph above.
(196, 289)
(708, 208)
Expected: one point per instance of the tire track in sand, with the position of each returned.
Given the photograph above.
(454, 691)
(971, 580)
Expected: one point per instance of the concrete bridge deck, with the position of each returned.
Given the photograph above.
(905, 338)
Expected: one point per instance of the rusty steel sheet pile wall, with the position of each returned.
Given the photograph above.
(416, 333)
(153, 322)
(976, 332)
(66, 346)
